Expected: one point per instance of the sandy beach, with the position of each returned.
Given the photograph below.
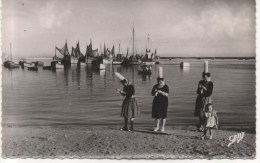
(111, 142)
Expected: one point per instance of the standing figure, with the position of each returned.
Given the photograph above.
(211, 121)
(160, 92)
(129, 107)
(204, 91)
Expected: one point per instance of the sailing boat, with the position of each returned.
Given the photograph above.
(149, 57)
(118, 59)
(73, 59)
(132, 60)
(89, 53)
(10, 64)
(76, 55)
(66, 60)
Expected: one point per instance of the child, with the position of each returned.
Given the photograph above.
(211, 121)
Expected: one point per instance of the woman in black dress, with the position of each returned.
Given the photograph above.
(204, 91)
(129, 107)
(160, 92)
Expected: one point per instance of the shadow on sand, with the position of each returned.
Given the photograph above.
(150, 131)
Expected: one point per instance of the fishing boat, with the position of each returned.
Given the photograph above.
(133, 59)
(118, 59)
(9, 63)
(66, 60)
(149, 58)
(116, 62)
(97, 64)
(145, 70)
(56, 65)
(24, 64)
(33, 68)
(89, 55)
(39, 63)
(47, 68)
(76, 55)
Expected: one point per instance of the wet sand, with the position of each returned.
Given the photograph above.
(111, 142)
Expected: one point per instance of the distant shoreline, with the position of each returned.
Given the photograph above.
(207, 58)
(198, 58)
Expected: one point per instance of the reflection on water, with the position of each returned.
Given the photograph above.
(79, 95)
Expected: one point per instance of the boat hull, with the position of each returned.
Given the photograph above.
(98, 66)
(56, 65)
(116, 63)
(106, 61)
(89, 60)
(149, 63)
(11, 65)
(74, 60)
(34, 68)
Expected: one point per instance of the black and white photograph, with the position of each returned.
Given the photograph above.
(129, 79)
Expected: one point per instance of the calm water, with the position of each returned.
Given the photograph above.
(80, 96)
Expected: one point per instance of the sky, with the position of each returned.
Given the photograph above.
(177, 28)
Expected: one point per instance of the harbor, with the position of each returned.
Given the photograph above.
(132, 79)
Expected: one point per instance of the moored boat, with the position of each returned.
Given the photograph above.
(145, 70)
(97, 64)
(11, 64)
(74, 60)
(33, 68)
(39, 63)
(56, 65)
(47, 67)
(116, 62)
(148, 62)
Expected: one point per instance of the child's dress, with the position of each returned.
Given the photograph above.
(211, 119)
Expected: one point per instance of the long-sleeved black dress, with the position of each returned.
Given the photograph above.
(160, 102)
(203, 98)
(129, 106)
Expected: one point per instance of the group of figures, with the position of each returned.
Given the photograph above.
(208, 119)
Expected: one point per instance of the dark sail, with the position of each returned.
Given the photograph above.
(77, 51)
(127, 51)
(105, 50)
(73, 51)
(89, 51)
(113, 51)
(64, 51)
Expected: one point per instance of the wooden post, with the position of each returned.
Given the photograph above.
(160, 75)
(206, 66)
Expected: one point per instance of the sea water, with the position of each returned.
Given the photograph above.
(82, 96)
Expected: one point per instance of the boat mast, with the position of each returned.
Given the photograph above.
(133, 40)
(11, 52)
(119, 49)
(100, 48)
(148, 42)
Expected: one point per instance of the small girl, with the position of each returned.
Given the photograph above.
(211, 121)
